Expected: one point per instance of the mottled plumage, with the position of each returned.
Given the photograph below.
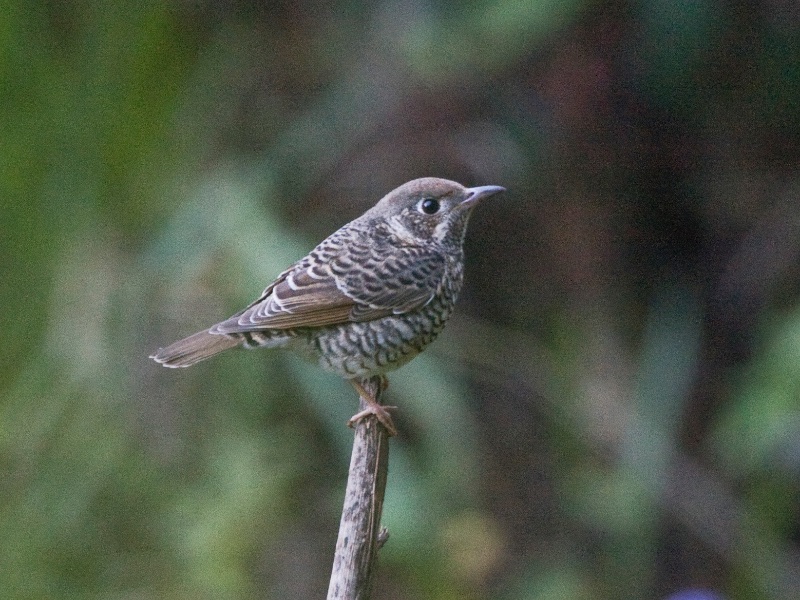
(368, 298)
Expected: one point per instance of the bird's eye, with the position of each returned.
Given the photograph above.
(429, 206)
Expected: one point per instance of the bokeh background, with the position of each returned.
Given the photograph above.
(613, 410)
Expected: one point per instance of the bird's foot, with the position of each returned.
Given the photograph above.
(380, 411)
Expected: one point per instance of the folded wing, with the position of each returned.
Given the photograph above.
(346, 288)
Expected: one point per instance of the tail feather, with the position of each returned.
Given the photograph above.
(193, 349)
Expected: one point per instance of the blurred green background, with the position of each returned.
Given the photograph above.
(613, 410)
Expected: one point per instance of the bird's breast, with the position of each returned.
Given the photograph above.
(375, 347)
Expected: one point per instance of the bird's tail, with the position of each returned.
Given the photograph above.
(193, 349)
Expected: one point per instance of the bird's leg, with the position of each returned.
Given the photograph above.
(373, 407)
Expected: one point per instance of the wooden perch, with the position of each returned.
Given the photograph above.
(360, 536)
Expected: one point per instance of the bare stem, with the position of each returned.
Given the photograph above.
(358, 542)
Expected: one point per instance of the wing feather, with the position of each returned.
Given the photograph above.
(366, 282)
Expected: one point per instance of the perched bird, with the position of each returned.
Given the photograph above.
(368, 298)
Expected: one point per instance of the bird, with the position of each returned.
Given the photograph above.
(367, 299)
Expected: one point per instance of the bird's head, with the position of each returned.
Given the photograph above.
(431, 209)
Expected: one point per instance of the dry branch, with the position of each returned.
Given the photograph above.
(359, 530)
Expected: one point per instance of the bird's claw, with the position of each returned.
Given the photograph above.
(380, 412)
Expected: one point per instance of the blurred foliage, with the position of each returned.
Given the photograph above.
(612, 413)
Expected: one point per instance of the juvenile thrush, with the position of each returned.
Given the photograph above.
(368, 298)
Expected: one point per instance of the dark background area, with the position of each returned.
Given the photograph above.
(613, 409)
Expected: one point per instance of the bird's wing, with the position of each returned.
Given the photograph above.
(347, 287)
(396, 281)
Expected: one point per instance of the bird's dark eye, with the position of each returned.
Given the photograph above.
(429, 205)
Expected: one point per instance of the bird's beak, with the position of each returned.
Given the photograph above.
(476, 194)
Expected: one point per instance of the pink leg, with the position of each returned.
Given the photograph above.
(373, 408)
